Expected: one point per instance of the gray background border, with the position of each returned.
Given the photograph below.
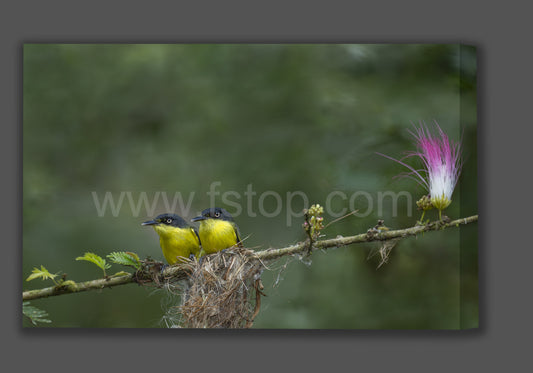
(504, 71)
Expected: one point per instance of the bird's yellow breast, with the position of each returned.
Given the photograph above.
(216, 235)
(177, 242)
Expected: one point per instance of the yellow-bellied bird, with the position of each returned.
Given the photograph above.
(217, 230)
(178, 239)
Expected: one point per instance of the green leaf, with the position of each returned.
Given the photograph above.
(96, 259)
(34, 314)
(125, 258)
(41, 273)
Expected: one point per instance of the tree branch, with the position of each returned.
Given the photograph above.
(77, 287)
(180, 271)
(370, 236)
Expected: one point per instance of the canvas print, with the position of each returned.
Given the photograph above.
(257, 186)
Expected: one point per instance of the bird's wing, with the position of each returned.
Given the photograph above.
(197, 235)
(237, 235)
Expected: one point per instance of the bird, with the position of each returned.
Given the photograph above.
(178, 240)
(217, 231)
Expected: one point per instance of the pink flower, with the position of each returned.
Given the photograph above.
(442, 164)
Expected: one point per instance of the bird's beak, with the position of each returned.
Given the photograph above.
(198, 218)
(149, 222)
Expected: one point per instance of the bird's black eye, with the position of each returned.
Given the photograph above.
(169, 220)
(217, 214)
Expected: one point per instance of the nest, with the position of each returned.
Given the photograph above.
(222, 291)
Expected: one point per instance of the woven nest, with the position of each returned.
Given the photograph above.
(222, 291)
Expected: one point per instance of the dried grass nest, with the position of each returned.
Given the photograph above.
(223, 290)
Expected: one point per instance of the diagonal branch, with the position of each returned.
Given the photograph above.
(181, 270)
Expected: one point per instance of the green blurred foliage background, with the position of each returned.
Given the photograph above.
(283, 118)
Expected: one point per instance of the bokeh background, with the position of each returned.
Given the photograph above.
(283, 118)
